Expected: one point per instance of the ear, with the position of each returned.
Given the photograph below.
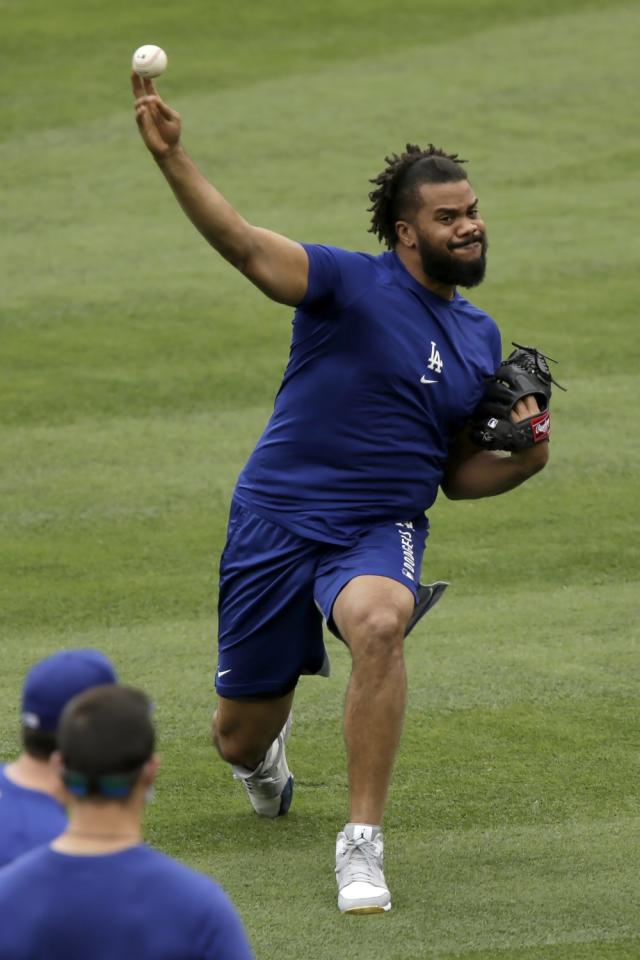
(150, 770)
(57, 765)
(406, 234)
(55, 761)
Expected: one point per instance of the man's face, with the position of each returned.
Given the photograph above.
(451, 237)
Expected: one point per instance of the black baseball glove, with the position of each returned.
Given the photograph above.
(524, 373)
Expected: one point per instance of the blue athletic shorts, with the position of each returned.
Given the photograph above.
(276, 587)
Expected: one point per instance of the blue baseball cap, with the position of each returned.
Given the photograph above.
(52, 682)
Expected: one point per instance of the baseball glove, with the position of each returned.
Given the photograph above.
(524, 373)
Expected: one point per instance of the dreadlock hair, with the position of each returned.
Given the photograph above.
(396, 190)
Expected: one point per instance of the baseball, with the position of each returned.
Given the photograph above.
(149, 61)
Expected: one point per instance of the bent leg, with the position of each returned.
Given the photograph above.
(243, 730)
(372, 613)
(251, 736)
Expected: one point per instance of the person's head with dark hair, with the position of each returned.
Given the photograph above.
(48, 687)
(105, 740)
(424, 208)
(106, 762)
(397, 195)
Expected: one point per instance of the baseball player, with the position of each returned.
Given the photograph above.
(388, 363)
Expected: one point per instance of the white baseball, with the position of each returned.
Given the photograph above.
(149, 61)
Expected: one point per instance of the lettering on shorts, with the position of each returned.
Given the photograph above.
(406, 545)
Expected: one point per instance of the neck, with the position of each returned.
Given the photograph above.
(35, 774)
(101, 826)
(411, 261)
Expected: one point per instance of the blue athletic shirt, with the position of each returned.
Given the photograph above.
(28, 818)
(137, 903)
(382, 375)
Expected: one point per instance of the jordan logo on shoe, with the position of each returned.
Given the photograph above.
(361, 831)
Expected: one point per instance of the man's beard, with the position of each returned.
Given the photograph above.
(447, 268)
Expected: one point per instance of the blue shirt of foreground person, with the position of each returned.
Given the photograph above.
(31, 794)
(97, 891)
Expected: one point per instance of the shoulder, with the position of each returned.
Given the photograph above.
(484, 323)
(28, 819)
(28, 797)
(21, 872)
(202, 904)
(166, 871)
(140, 865)
(339, 257)
(338, 275)
(474, 312)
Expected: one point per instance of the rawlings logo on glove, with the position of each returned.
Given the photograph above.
(524, 373)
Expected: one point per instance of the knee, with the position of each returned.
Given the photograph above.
(378, 634)
(234, 744)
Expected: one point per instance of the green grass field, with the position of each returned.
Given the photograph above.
(137, 370)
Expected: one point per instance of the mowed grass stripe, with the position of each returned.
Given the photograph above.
(601, 948)
(293, 148)
(461, 893)
(215, 48)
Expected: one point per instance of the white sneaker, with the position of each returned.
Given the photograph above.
(361, 884)
(270, 785)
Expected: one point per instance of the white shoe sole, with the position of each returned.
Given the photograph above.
(357, 911)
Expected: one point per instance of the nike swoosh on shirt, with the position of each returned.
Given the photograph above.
(221, 673)
(424, 380)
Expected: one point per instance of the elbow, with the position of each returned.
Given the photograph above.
(535, 459)
(451, 490)
(544, 455)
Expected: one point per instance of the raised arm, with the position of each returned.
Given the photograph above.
(275, 264)
(473, 473)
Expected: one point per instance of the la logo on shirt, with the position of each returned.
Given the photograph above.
(434, 363)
